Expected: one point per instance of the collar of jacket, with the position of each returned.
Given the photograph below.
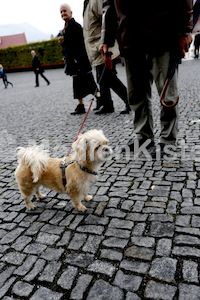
(72, 20)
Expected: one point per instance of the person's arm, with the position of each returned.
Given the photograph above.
(185, 42)
(185, 21)
(38, 63)
(60, 37)
(109, 26)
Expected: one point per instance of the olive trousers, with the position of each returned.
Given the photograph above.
(142, 71)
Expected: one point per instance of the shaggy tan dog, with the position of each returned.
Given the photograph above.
(37, 169)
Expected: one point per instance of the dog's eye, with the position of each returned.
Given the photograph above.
(97, 147)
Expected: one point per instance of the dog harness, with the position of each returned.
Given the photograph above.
(64, 165)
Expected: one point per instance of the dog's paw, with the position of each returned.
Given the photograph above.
(30, 206)
(80, 207)
(41, 196)
(88, 198)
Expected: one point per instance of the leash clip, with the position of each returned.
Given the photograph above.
(63, 161)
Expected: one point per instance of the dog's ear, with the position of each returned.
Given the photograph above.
(103, 136)
(80, 147)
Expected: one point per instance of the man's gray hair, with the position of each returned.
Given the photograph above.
(66, 5)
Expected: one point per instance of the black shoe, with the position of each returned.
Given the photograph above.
(36, 85)
(125, 111)
(159, 152)
(48, 83)
(99, 104)
(104, 110)
(80, 109)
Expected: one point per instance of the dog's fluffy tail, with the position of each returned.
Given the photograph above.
(34, 157)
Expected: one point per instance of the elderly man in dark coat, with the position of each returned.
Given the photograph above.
(77, 63)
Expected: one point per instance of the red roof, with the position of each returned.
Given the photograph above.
(12, 40)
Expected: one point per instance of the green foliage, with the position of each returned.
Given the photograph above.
(50, 53)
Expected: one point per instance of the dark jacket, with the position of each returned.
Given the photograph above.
(37, 65)
(76, 58)
(152, 26)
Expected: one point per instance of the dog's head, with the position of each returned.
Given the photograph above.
(92, 146)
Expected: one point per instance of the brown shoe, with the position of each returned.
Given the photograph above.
(80, 109)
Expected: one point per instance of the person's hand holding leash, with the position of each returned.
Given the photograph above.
(107, 56)
(184, 43)
(103, 48)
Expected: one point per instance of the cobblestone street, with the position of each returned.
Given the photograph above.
(140, 235)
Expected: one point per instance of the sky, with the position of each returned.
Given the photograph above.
(42, 14)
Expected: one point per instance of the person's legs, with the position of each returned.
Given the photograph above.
(196, 51)
(102, 79)
(77, 91)
(42, 75)
(80, 109)
(8, 82)
(5, 82)
(169, 116)
(119, 88)
(36, 79)
(139, 80)
(106, 95)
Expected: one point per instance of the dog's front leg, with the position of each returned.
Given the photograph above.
(28, 203)
(76, 201)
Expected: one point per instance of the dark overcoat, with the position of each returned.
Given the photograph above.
(37, 65)
(76, 58)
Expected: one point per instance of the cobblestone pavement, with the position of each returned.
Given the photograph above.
(140, 236)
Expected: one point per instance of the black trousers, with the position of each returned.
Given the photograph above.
(37, 77)
(196, 51)
(6, 82)
(109, 80)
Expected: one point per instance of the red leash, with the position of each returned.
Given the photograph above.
(108, 65)
(163, 95)
(175, 60)
(80, 127)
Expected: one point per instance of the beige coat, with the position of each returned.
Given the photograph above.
(92, 33)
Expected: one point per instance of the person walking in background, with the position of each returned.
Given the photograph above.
(37, 68)
(4, 77)
(92, 18)
(77, 63)
(196, 45)
(150, 33)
